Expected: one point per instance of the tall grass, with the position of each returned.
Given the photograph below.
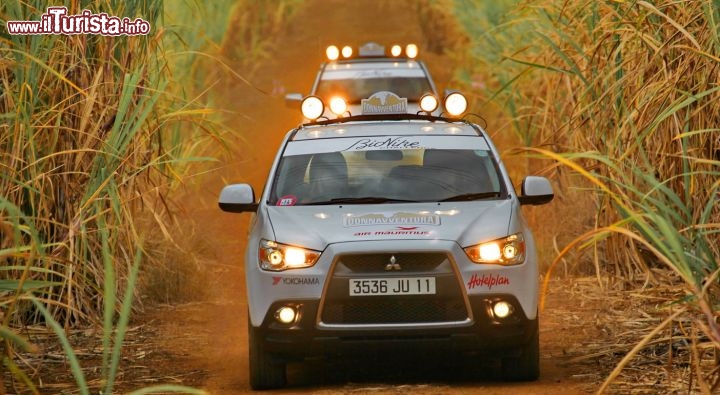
(93, 135)
(96, 134)
(625, 96)
(81, 141)
(254, 25)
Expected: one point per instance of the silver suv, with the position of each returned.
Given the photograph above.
(381, 232)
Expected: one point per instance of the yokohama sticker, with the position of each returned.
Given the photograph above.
(296, 281)
(487, 280)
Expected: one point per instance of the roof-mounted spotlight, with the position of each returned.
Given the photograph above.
(411, 50)
(396, 51)
(332, 52)
(429, 103)
(455, 104)
(347, 51)
(338, 106)
(312, 107)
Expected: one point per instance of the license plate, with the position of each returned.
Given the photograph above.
(393, 286)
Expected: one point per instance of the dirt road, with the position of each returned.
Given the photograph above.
(204, 343)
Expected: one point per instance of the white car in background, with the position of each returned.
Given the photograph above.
(391, 232)
(350, 75)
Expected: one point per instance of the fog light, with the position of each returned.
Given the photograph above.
(502, 309)
(286, 315)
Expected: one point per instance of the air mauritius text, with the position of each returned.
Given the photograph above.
(56, 21)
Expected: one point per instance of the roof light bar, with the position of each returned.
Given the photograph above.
(370, 49)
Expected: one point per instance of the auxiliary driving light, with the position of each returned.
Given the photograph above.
(338, 106)
(455, 104)
(347, 51)
(502, 309)
(332, 52)
(286, 315)
(312, 107)
(411, 50)
(396, 50)
(428, 103)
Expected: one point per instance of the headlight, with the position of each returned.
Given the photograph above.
(395, 51)
(278, 257)
(507, 251)
(347, 51)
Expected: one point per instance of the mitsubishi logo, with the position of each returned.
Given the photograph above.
(392, 265)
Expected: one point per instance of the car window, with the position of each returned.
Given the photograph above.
(415, 175)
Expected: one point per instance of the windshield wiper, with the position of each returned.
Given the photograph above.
(361, 200)
(471, 196)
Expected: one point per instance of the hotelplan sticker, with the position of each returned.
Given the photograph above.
(395, 219)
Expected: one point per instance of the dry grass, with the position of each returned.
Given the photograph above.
(95, 134)
(674, 359)
(622, 98)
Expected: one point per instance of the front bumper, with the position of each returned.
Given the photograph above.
(482, 334)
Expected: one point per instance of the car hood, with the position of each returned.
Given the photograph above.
(317, 226)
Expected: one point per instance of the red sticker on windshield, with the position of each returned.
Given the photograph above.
(287, 200)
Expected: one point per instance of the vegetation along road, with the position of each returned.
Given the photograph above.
(120, 274)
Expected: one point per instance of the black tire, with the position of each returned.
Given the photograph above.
(525, 367)
(265, 372)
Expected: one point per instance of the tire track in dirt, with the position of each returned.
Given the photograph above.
(210, 337)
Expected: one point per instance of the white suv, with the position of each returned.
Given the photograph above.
(376, 232)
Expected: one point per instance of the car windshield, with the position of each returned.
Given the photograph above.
(354, 90)
(386, 176)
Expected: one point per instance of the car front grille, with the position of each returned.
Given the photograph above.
(446, 305)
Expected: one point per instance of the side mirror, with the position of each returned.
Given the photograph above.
(293, 100)
(237, 198)
(536, 191)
